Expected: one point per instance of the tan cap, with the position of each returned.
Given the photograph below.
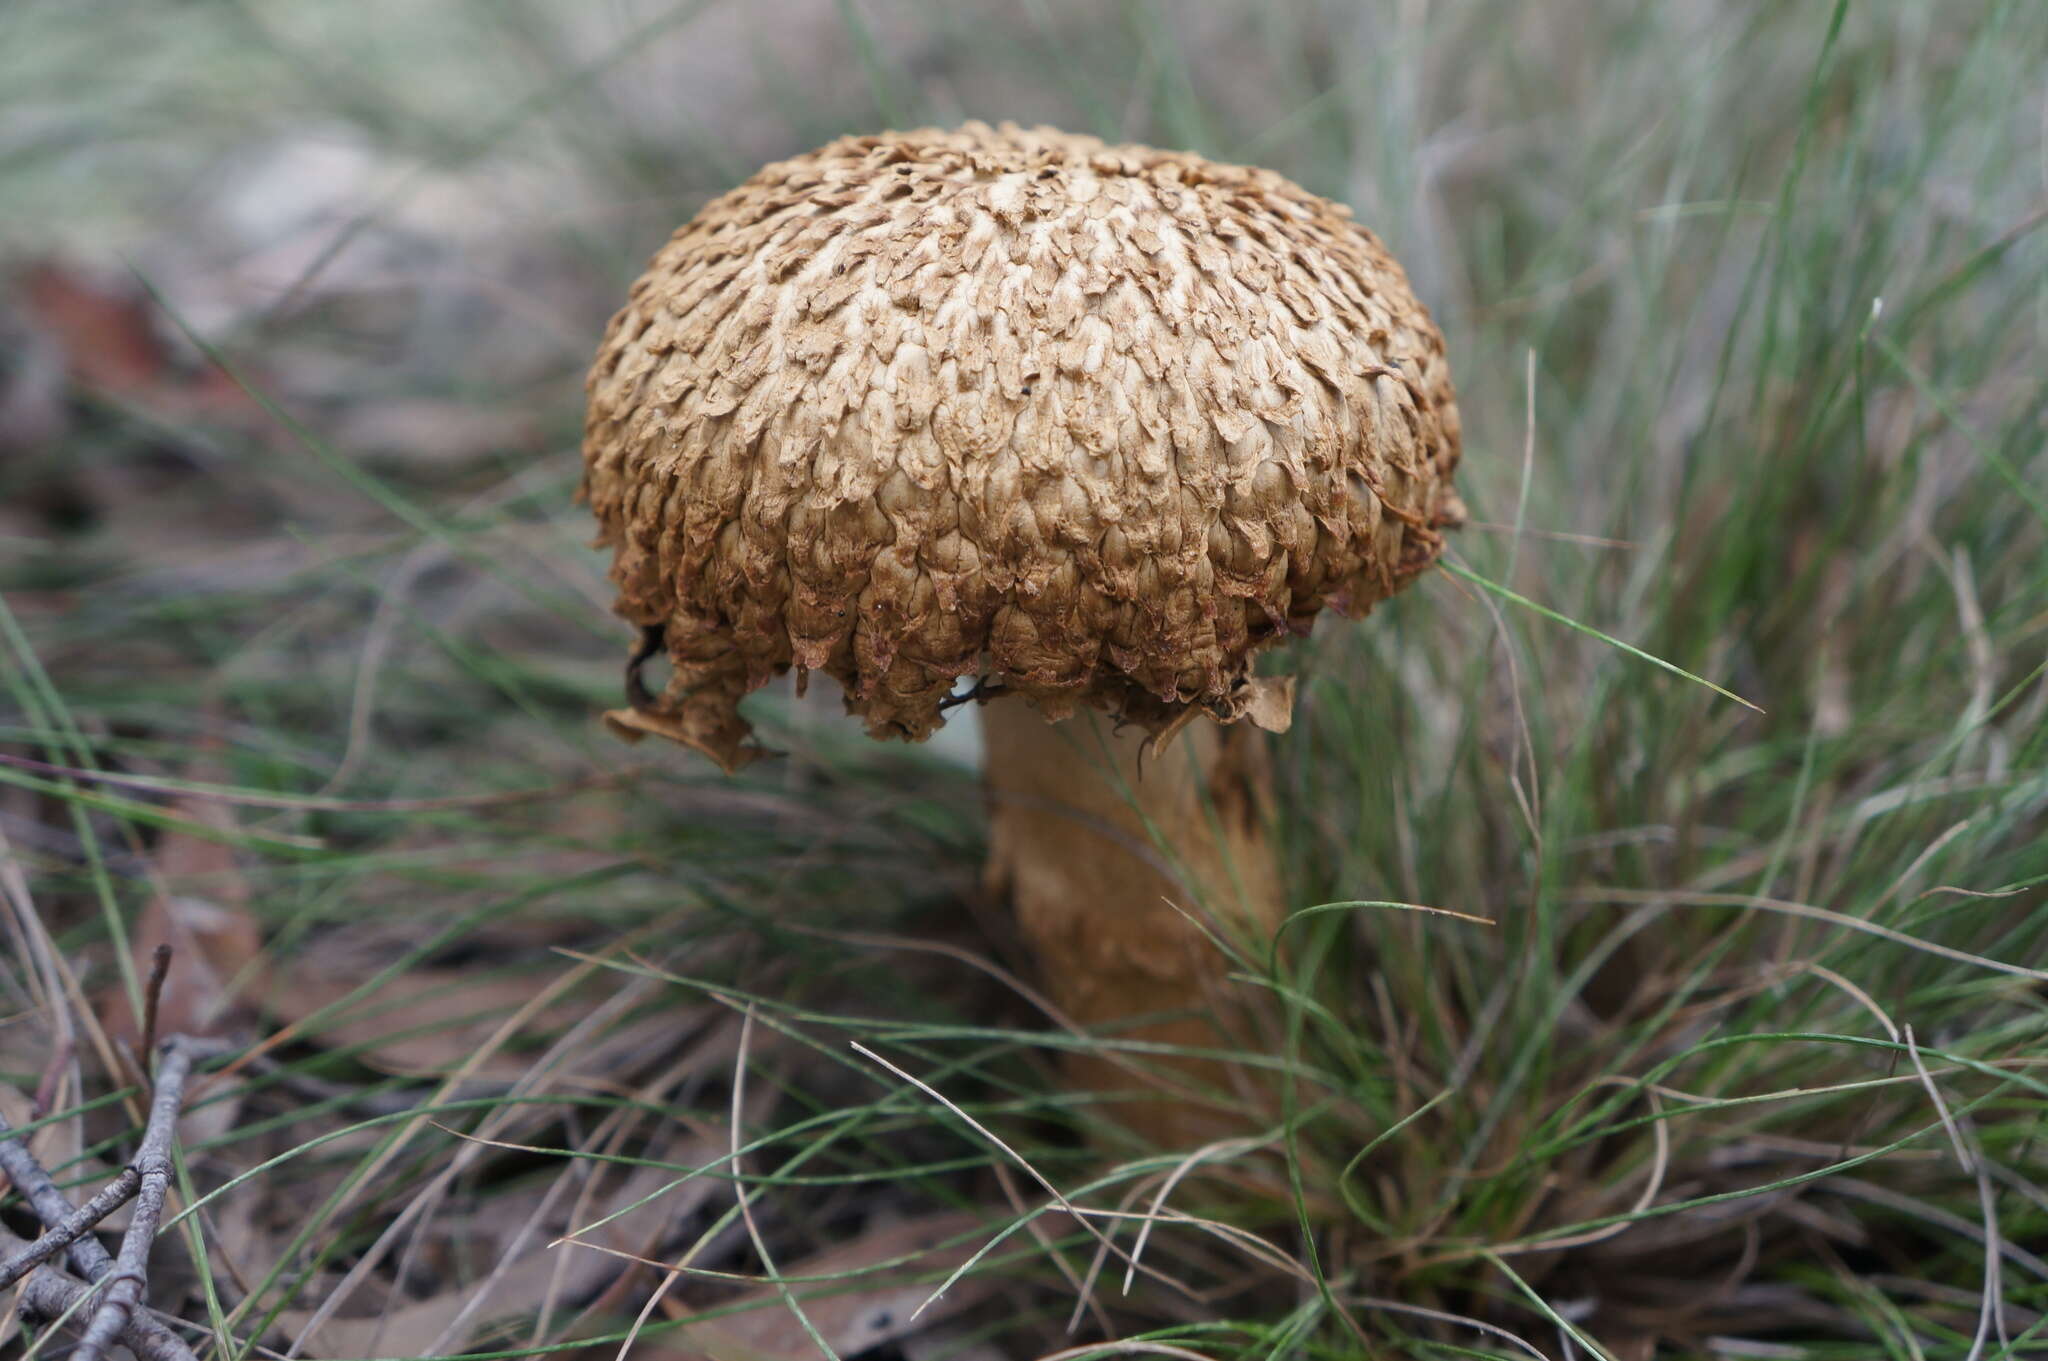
(1092, 423)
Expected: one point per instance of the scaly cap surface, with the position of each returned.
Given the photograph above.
(1094, 423)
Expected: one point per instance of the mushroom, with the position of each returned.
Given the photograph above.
(1071, 428)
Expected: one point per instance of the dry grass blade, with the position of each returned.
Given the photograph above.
(1992, 1313)
(1992, 1310)
(1812, 913)
(1660, 1165)
(1465, 573)
(1948, 1121)
(1553, 535)
(851, 1296)
(417, 1207)
(1477, 1325)
(1317, 909)
(1226, 1148)
(200, 791)
(1127, 1347)
(739, 1190)
(1080, 1217)
(1863, 999)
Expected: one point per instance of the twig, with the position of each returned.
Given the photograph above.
(49, 1295)
(131, 1269)
(90, 1259)
(73, 1227)
(45, 1293)
(153, 996)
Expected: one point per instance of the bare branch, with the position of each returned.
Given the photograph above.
(116, 1315)
(117, 1306)
(87, 1256)
(153, 996)
(46, 1294)
(75, 1226)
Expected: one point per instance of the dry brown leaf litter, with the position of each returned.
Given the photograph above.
(1094, 422)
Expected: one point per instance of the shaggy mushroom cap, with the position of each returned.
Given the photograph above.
(1090, 423)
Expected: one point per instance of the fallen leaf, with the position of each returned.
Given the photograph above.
(105, 333)
(853, 1313)
(109, 338)
(421, 1023)
(567, 1270)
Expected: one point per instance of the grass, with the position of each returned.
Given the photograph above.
(1747, 307)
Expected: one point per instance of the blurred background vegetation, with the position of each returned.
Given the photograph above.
(302, 644)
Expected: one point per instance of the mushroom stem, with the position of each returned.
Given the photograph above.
(1105, 861)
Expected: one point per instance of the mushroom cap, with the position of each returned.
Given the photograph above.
(1091, 423)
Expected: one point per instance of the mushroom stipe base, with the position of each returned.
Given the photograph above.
(1125, 868)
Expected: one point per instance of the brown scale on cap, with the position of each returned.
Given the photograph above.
(1093, 422)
